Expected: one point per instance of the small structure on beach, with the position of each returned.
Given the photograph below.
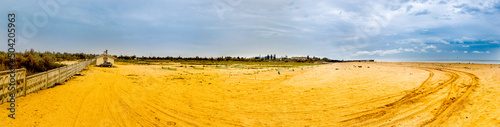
(105, 60)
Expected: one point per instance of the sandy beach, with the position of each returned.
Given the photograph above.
(337, 94)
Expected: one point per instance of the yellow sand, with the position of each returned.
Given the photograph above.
(385, 94)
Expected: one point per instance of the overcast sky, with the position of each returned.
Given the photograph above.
(337, 29)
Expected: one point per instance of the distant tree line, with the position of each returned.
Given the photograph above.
(35, 62)
(267, 58)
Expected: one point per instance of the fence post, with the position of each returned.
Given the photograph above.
(46, 81)
(24, 82)
(59, 75)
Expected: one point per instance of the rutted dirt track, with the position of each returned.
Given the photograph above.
(340, 94)
(435, 97)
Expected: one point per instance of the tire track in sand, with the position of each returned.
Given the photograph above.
(81, 105)
(431, 102)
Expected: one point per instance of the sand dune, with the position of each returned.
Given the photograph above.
(385, 94)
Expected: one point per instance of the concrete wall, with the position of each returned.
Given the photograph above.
(29, 84)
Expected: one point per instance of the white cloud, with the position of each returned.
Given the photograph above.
(475, 7)
(428, 47)
(423, 12)
(465, 51)
(422, 41)
(409, 50)
(442, 41)
(465, 39)
(409, 41)
(454, 51)
(377, 52)
(466, 46)
(395, 51)
(383, 52)
(477, 52)
(495, 42)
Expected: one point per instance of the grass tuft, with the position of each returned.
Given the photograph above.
(168, 68)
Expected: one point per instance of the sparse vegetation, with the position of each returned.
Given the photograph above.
(35, 62)
(239, 67)
(198, 68)
(220, 67)
(265, 61)
(169, 68)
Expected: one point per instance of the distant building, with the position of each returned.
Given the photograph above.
(105, 60)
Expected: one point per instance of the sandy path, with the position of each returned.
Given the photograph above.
(436, 97)
(386, 94)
